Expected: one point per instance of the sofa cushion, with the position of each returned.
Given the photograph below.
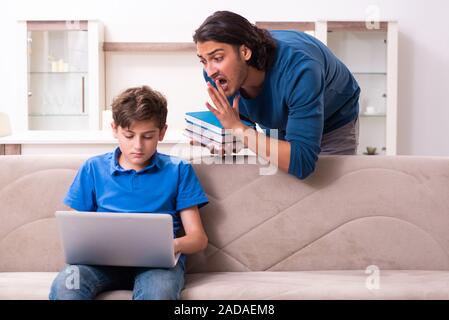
(36, 286)
(349, 284)
(351, 213)
(25, 285)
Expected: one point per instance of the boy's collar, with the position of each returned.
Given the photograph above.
(116, 167)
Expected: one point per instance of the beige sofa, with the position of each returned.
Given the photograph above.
(359, 228)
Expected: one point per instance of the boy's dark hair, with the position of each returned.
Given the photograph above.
(231, 28)
(138, 104)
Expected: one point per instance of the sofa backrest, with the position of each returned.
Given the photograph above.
(392, 212)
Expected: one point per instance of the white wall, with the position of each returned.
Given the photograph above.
(423, 50)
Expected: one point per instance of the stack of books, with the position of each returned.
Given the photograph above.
(205, 128)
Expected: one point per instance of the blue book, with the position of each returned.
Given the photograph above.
(199, 130)
(208, 120)
(202, 139)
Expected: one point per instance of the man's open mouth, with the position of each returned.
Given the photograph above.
(223, 84)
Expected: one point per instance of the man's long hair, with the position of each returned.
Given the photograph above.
(231, 28)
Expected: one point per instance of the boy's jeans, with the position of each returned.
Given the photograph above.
(85, 282)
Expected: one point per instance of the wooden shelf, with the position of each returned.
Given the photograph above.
(355, 26)
(331, 25)
(369, 115)
(81, 25)
(148, 46)
(286, 25)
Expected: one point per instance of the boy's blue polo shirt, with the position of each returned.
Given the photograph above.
(166, 185)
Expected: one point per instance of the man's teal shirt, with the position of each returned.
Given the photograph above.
(307, 92)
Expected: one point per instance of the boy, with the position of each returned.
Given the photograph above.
(136, 178)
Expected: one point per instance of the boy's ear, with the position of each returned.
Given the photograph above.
(162, 133)
(114, 129)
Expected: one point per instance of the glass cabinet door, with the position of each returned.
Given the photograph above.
(364, 51)
(57, 75)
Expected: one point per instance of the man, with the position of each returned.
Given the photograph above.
(284, 80)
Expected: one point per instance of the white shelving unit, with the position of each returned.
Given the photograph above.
(61, 75)
(363, 48)
(370, 50)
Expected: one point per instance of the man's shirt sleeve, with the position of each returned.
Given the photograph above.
(305, 98)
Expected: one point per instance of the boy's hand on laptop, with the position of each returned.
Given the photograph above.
(176, 246)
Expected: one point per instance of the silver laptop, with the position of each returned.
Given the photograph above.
(117, 239)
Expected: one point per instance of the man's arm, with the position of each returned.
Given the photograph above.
(305, 98)
(256, 141)
(262, 144)
(195, 238)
